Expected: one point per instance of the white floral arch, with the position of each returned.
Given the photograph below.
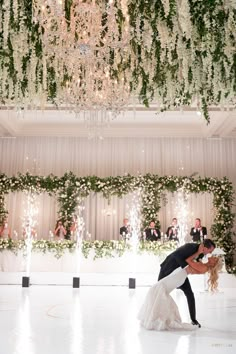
(68, 187)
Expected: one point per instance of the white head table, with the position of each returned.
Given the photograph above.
(71, 262)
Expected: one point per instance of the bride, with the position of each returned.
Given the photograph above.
(159, 311)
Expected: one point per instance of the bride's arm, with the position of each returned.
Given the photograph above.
(198, 267)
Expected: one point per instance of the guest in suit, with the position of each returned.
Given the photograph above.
(125, 230)
(152, 233)
(173, 230)
(198, 232)
(178, 258)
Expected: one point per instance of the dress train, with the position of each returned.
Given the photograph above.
(159, 311)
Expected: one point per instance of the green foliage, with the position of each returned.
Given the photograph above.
(68, 188)
(177, 55)
(94, 249)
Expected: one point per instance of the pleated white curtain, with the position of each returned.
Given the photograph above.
(112, 157)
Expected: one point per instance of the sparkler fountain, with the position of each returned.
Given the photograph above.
(28, 226)
(78, 234)
(182, 213)
(135, 223)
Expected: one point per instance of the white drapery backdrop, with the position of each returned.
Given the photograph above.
(112, 157)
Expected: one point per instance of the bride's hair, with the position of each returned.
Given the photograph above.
(214, 274)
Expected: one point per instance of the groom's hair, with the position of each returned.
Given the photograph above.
(208, 243)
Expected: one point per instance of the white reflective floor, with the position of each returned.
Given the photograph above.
(103, 320)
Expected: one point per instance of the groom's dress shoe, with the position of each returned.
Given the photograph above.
(196, 323)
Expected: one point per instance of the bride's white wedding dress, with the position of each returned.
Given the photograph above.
(159, 311)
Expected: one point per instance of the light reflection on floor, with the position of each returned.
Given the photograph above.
(103, 319)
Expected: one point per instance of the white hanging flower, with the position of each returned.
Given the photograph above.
(166, 5)
(184, 18)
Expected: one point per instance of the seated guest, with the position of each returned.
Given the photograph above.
(5, 231)
(198, 232)
(173, 230)
(151, 233)
(60, 231)
(125, 230)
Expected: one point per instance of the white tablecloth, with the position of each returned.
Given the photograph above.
(70, 262)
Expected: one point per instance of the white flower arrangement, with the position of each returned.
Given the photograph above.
(99, 249)
(180, 52)
(67, 190)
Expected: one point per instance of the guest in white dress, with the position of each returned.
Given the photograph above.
(60, 231)
(5, 231)
(159, 311)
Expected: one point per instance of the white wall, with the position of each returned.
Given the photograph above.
(111, 157)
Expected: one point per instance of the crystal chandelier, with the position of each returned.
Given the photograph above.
(86, 47)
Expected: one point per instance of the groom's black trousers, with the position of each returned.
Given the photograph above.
(186, 288)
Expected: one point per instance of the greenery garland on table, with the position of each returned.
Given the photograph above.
(180, 53)
(68, 187)
(97, 249)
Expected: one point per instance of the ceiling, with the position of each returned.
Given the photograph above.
(140, 122)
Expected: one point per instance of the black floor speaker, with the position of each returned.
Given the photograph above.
(25, 282)
(132, 283)
(76, 282)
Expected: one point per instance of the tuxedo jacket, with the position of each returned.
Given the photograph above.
(178, 258)
(152, 237)
(196, 234)
(124, 229)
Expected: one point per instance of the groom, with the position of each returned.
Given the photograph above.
(178, 259)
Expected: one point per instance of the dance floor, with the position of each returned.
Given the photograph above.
(102, 319)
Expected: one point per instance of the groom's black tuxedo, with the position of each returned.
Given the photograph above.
(178, 259)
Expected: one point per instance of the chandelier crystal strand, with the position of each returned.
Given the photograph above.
(88, 51)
